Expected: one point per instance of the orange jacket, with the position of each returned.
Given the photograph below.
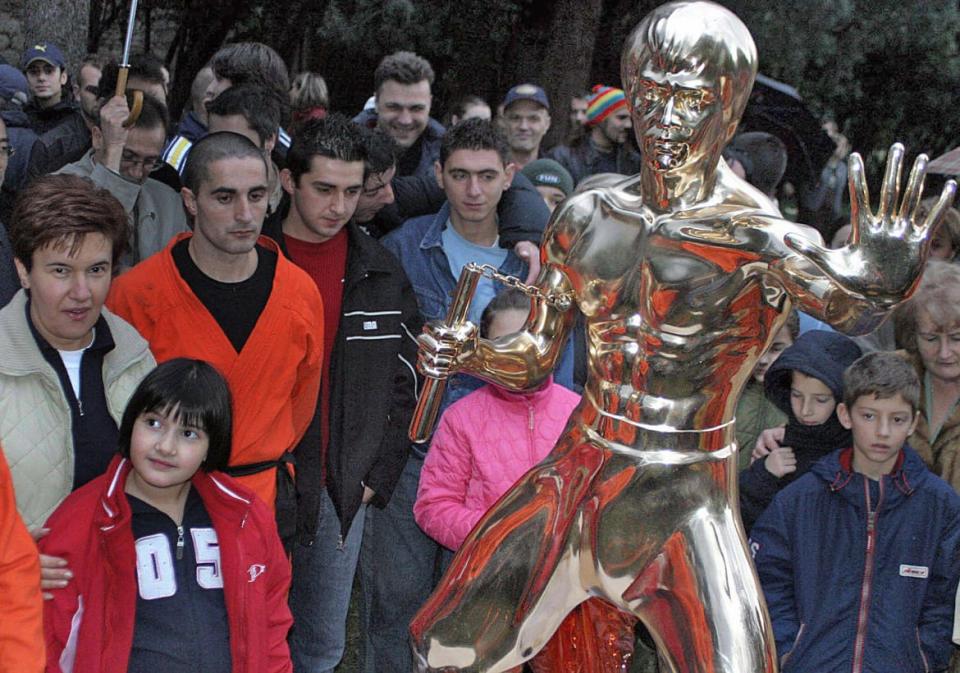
(21, 624)
(274, 380)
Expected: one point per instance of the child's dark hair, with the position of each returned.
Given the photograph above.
(198, 396)
(509, 299)
(883, 374)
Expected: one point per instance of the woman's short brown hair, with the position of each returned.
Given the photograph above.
(938, 296)
(59, 210)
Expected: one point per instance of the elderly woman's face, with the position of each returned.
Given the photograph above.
(941, 247)
(939, 348)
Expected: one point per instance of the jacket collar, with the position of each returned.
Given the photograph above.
(837, 471)
(224, 499)
(20, 355)
(364, 254)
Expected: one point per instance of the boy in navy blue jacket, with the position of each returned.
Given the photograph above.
(858, 557)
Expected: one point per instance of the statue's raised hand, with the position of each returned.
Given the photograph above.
(887, 249)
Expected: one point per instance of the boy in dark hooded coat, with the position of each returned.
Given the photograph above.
(806, 383)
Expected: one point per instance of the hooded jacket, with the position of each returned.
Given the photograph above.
(861, 575)
(824, 356)
(89, 624)
(484, 443)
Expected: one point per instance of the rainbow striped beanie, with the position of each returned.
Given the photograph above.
(603, 102)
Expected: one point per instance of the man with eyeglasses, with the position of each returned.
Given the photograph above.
(121, 161)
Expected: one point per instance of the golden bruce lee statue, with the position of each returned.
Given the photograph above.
(684, 274)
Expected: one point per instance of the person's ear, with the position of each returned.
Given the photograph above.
(287, 181)
(63, 77)
(913, 423)
(438, 172)
(270, 143)
(509, 170)
(844, 415)
(96, 138)
(22, 273)
(189, 201)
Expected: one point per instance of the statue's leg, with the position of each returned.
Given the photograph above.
(517, 575)
(701, 600)
(596, 637)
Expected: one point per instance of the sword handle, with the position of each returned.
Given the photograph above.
(428, 404)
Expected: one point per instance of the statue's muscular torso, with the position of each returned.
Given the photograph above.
(678, 307)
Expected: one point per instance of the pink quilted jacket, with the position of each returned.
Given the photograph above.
(484, 443)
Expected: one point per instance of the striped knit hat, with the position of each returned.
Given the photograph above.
(603, 102)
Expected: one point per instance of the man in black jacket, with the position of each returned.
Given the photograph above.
(368, 387)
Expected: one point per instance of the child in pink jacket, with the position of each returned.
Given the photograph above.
(489, 439)
(483, 444)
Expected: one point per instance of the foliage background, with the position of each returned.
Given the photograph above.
(885, 70)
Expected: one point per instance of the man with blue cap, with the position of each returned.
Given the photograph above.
(46, 72)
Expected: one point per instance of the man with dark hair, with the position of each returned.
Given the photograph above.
(250, 63)
(606, 145)
(145, 74)
(225, 295)
(368, 386)
(380, 168)
(402, 84)
(764, 160)
(121, 161)
(474, 171)
(86, 88)
(254, 112)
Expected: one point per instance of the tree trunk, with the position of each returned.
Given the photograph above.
(556, 54)
(62, 22)
(206, 25)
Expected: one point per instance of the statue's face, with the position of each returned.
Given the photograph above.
(677, 116)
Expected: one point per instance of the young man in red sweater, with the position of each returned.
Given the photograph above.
(368, 380)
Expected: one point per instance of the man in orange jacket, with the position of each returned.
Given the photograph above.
(21, 628)
(225, 295)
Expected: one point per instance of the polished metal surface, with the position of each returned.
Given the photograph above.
(684, 274)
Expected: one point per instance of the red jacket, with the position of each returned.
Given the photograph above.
(89, 625)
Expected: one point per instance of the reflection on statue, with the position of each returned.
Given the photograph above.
(684, 274)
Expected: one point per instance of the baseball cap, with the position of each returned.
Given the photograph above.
(43, 51)
(526, 92)
(549, 173)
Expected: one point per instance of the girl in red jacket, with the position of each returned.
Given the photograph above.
(483, 444)
(176, 566)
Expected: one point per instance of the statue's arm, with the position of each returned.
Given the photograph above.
(526, 358)
(854, 287)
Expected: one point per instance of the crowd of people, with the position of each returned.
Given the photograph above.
(208, 365)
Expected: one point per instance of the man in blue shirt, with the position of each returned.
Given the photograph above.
(474, 171)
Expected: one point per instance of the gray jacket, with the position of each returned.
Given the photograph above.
(156, 211)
